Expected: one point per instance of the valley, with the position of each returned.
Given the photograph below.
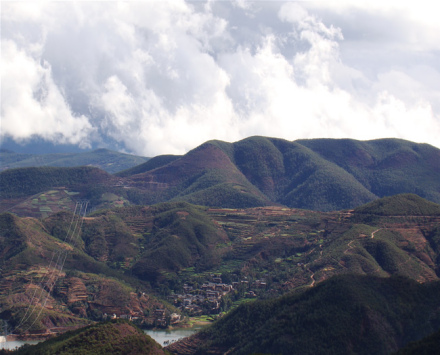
(218, 231)
(206, 260)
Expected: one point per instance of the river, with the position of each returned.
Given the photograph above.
(171, 335)
(11, 345)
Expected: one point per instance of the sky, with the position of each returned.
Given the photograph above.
(162, 77)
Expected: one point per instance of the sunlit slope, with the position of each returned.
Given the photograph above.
(48, 281)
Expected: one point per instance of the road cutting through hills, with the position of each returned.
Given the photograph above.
(377, 230)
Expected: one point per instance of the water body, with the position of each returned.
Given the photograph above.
(11, 345)
(159, 335)
(171, 335)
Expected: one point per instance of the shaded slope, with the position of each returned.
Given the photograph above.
(36, 192)
(347, 314)
(169, 237)
(296, 176)
(426, 346)
(114, 337)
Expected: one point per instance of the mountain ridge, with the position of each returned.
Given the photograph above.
(316, 174)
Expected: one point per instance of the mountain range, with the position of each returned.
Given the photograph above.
(316, 174)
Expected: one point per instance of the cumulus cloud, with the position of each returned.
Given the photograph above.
(163, 77)
(32, 105)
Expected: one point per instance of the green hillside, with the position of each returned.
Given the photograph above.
(46, 297)
(38, 192)
(344, 315)
(164, 238)
(104, 159)
(385, 166)
(311, 174)
(112, 337)
(205, 176)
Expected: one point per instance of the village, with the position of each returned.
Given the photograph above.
(209, 298)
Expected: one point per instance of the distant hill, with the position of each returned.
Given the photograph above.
(104, 159)
(112, 337)
(151, 164)
(29, 181)
(344, 315)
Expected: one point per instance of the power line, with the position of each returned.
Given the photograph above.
(54, 272)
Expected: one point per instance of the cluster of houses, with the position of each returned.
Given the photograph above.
(195, 301)
(160, 317)
(207, 298)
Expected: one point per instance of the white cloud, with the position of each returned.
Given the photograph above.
(32, 104)
(163, 77)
